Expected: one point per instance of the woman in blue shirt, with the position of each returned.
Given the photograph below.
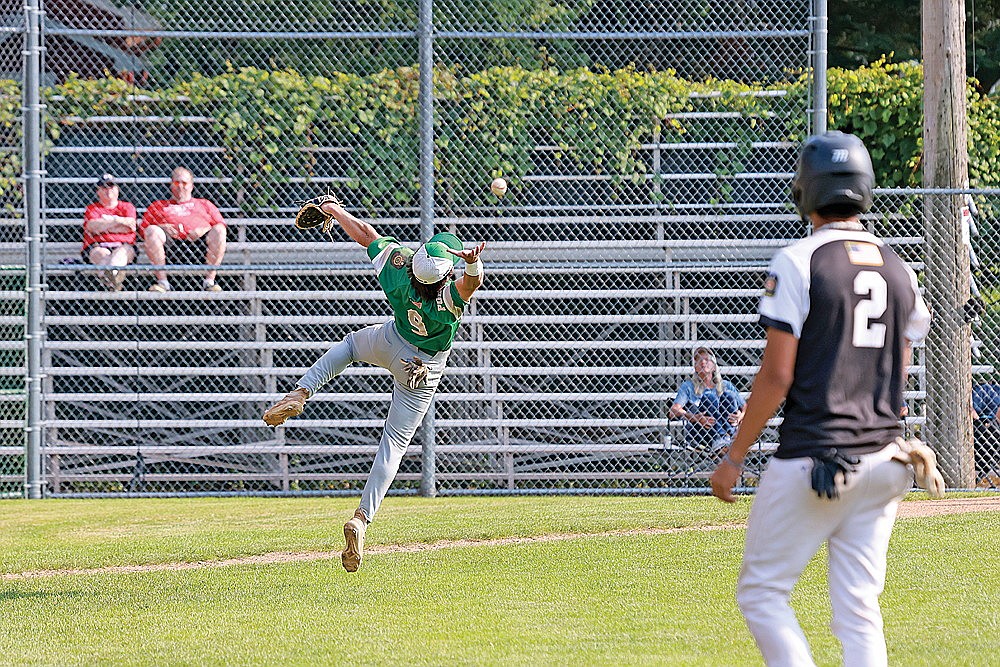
(711, 406)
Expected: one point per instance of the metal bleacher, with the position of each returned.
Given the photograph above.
(549, 349)
(563, 371)
(559, 371)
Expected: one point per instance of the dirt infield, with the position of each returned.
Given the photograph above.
(919, 508)
(907, 510)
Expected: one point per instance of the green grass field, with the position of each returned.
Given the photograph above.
(605, 595)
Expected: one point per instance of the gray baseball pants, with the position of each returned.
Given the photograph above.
(381, 345)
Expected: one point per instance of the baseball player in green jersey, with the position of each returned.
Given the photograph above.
(427, 304)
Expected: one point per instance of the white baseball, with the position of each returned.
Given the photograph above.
(499, 187)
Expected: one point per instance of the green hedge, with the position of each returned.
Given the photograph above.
(488, 123)
(883, 104)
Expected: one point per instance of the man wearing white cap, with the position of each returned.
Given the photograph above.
(427, 304)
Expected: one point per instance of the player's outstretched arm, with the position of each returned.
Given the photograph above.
(472, 279)
(357, 229)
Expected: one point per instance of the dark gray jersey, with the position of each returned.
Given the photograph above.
(853, 304)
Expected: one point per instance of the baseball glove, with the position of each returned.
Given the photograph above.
(416, 372)
(291, 405)
(311, 213)
(923, 460)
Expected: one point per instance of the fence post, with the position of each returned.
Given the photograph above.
(819, 64)
(948, 349)
(425, 33)
(32, 111)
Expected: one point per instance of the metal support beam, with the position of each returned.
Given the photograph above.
(820, 55)
(31, 111)
(425, 32)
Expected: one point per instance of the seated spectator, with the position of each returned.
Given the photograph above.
(712, 406)
(986, 432)
(109, 233)
(986, 401)
(182, 224)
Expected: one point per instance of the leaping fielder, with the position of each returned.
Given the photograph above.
(427, 305)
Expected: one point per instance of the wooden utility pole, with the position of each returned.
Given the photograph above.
(947, 353)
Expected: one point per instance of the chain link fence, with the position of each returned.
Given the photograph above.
(12, 390)
(12, 272)
(980, 229)
(950, 239)
(649, 153)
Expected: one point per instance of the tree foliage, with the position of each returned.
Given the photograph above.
(861, 31)
(179, 59)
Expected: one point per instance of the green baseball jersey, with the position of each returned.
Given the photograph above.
(431, 326)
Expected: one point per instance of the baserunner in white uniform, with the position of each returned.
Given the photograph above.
(840, 309)
(427, 304)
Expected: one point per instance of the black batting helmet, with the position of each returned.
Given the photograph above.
(834, 169)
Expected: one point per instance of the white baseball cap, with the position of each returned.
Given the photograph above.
(432, 261)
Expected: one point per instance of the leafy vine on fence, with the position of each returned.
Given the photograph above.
(277, 125)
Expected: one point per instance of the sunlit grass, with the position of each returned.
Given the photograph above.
(641, 598)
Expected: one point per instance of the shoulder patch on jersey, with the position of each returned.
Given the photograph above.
(863, 254)
(397, 260)
(770, 284)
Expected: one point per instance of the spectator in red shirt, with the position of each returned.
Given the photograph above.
(109, 233)
(183, 219)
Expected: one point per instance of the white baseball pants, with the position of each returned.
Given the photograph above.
(381, 345)
(787, 525)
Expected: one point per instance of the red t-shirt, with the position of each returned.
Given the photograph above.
(191, 216)
(96, 212)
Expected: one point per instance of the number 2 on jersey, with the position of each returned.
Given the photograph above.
(867, 333)
(417, 322)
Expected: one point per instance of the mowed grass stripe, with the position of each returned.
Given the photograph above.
(55, 538)
(377, 549)
(633, 599)
(87, 534)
